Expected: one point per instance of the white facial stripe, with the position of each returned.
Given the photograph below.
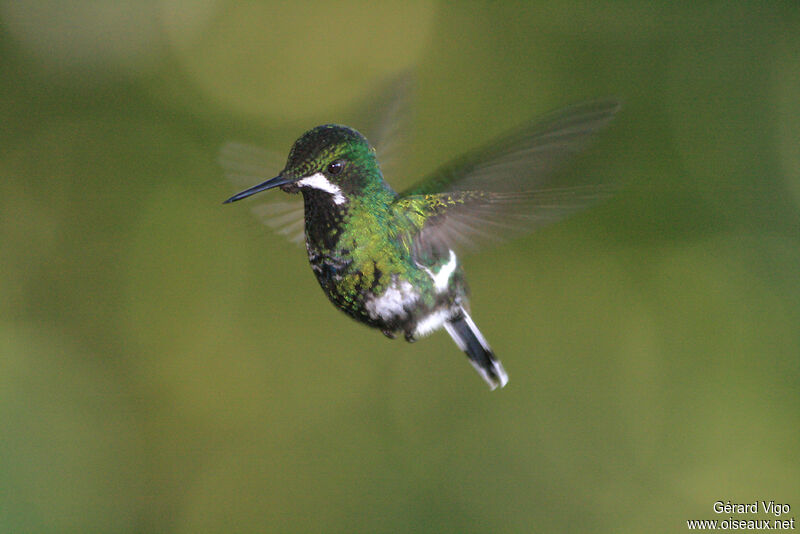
(320, 183)
(442, 278)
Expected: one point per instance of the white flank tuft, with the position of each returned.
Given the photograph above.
(442, 278)
(432, 322)
(320, 183)
(393, 302)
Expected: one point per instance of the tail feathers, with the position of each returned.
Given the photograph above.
(471, 341)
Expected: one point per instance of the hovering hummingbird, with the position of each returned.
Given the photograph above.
(391, 260)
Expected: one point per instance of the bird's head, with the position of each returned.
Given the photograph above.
(331, 161)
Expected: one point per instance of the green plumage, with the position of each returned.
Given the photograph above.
(390, 260)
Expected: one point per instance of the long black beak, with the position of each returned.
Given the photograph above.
(269, 184)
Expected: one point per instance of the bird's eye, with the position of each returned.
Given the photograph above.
(335, 167)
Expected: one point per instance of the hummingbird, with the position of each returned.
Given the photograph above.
(392, 260)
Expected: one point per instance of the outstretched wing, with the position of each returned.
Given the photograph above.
(523, 159)
(498, 191)
(464, 220)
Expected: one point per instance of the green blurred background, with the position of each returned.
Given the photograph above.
(167, 364)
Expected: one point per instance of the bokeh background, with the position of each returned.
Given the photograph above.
(168, 364)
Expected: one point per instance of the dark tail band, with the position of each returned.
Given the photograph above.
(471, 341)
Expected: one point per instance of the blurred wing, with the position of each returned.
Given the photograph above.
(465, 220)
(496, 193)
(245, 166)
(386, 127)
(523, 159)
